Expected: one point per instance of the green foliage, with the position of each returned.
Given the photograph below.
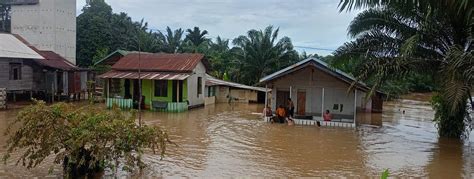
(385, 174)
(261, 53)
(172, 41)
(99, 55)
(98, 28)
(255, 55)
(450, 123)
(401, 44)
(85, 140)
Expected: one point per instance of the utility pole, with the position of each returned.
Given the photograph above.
(139, 87)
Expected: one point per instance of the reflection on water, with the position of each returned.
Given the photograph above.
(230, 140)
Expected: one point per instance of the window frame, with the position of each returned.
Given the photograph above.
(15, 66)
(199, 86)
(160, 86)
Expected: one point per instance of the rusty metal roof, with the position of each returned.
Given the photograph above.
(55, 60)
(145, 75)
(160, 62)
(50, 58)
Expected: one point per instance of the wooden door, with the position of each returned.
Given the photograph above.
(281, 98)
(301, 103)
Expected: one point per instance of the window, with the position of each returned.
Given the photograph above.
(161, 88)
(211, 91)
(199, 86)
(15, 71)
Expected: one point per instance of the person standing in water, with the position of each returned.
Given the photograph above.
(291, 108)
(281, 114)
(327, 116)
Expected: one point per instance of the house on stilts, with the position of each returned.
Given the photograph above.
(314, 87)
(170, 82)
(27, 72)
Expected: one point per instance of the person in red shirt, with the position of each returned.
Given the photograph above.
(327, 116)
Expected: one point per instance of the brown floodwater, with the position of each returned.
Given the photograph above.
(231, 140)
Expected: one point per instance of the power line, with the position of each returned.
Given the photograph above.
(315, 48)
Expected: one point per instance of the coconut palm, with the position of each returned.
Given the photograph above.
(261, 53)
(396, 41)
(172, 41)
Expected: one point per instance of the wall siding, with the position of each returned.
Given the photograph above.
(26, 82)
(194, 100)
(335, 91)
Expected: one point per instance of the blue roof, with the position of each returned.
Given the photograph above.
(318, 64)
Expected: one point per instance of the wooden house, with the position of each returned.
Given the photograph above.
(220, 91)
(28, 72)
(314, 87)
(170, 82)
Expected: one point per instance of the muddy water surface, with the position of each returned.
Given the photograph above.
(230, 140)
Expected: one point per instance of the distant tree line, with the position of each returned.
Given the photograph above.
(400, 41)
(244, 59)
(252, 56)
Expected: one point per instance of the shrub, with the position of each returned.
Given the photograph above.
(85, 140)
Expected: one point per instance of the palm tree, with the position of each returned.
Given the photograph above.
(171, 42)
(395, 41)
(260, 53)
(196, 36)
(464, 8)
(221, 57)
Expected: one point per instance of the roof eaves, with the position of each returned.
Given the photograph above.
(121, 52)
(323, 65)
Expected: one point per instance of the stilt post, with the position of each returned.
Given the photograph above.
(355, 106)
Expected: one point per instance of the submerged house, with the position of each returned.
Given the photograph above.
(28, 72)
(314, 87)
(170, 82)
(220, 91)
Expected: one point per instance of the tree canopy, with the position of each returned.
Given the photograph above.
(394, 41)
(85, 140)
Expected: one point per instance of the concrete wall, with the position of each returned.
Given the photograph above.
(209, 100)
(193, 98)
(49, 25)
(224, 93)
(312, 81)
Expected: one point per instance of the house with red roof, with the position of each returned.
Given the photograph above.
(169, 82)
(27, 72)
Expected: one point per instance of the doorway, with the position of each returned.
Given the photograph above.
(282, 97)
(177, 91)
(301, 97)
(127, 89)
(136, 94)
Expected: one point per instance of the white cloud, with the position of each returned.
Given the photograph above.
(309, 23)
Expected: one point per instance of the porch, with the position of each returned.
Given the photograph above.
(157, 94)
(312, 102)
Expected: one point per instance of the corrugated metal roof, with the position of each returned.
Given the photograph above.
(145, 75)
(318, 64)
(211, 81)
(115, 53)
(179, 62)
(55, 60)
(12, 47)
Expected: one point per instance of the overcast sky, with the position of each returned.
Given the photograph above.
(309, 23)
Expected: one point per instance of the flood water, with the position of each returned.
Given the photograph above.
(231, 140)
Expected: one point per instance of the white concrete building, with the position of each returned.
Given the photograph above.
(48, 25)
